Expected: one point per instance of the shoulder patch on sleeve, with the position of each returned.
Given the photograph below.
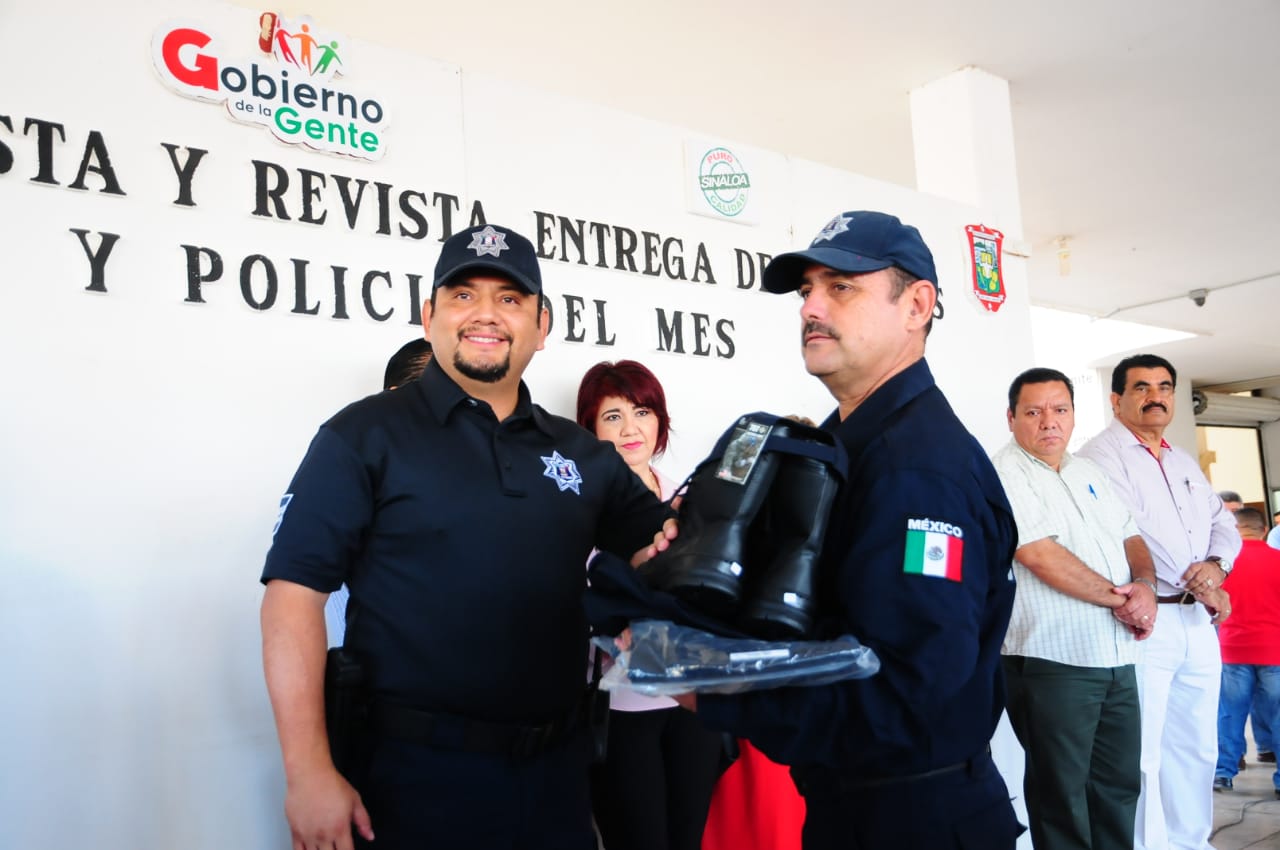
(934, 548)
(284, 505)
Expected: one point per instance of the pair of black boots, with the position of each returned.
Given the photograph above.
(752, 523)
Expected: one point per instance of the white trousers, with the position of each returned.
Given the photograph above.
(1178, 680)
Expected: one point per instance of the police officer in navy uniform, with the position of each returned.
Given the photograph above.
(459, 514)
(915, 564)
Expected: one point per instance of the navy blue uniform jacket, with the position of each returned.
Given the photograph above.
(939, 692)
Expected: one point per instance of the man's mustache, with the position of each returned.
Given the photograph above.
(1151, 404)
(811, 327)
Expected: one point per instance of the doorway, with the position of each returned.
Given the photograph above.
(1231, 458)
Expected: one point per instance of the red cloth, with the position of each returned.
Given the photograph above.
(1251, 635)
(755, 806)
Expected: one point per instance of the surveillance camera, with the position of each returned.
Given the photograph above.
(1199, 296)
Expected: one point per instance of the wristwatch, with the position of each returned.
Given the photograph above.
(1224, 564)
(1149, 583)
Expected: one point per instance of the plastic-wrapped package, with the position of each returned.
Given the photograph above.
(665, 659)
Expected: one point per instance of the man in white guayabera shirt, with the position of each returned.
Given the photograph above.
(1193, 540)
(1086, 596)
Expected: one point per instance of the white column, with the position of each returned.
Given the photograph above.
(962, 129)
(963, 136)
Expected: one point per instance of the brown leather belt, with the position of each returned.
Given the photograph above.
(1177, 599)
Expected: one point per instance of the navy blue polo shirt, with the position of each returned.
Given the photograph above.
(916, 564)
(464, 543)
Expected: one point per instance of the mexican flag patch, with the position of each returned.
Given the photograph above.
(934, 548)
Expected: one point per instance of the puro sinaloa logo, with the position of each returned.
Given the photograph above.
(723, 181)
(287, 87)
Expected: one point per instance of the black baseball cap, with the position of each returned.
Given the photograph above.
(856, 241)
(489, 247)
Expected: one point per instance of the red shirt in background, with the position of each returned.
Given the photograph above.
(1251, 635)
(756, 806)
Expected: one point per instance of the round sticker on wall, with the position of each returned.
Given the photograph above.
(723, 181)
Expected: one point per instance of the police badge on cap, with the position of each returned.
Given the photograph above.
(491, 248)
(855, 241)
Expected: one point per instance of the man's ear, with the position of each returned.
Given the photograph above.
(922, 297)
(426, 318)
(544, 327)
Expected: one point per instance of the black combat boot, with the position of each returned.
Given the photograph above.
(780, 596)
(705, 563)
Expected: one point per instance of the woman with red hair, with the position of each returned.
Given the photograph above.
(654, 788)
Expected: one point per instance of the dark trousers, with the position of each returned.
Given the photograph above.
(1081, 730)
(421, 798)
(654, 788)
(966, 809)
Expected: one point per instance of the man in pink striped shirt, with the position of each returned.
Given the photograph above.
(1192, 539)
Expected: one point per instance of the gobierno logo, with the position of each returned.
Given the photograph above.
(723, 181)
(289, 88)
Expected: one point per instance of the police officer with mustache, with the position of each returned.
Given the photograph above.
(915, 563)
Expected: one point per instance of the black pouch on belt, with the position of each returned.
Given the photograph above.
(345, 706)
(598, 714)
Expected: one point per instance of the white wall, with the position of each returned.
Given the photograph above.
(146, 438)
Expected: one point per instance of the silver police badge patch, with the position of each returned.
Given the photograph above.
(829, 231)
(562, 471)
(489, 241)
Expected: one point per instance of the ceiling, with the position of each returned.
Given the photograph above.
(1147, 132)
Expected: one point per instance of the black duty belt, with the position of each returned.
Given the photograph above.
(465, 734)
(1177, 599)
(829, 786)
